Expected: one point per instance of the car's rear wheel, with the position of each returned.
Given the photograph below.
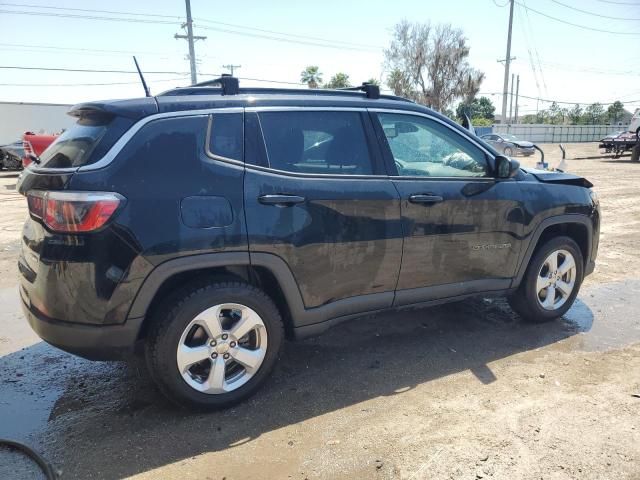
(508, 151)
(551, 282)
(213, 346)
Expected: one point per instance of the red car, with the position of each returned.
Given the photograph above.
(35, 144)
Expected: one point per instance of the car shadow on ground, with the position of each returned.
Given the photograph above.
(112, 413)
(620, 160)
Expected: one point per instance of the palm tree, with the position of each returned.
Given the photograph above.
(311, 76)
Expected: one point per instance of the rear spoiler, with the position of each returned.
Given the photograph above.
(135, 109)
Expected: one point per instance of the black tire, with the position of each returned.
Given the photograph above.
(508, 151)
(525, 300)
(173, 317)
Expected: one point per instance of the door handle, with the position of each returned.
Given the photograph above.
(425, 198)
(280, 200)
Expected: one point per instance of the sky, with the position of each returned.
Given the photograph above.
(555, 61)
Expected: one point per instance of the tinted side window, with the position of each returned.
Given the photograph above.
(84, 143)
(425, 148)
(226, 137)
(316, 142)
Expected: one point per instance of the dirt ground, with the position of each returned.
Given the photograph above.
(463, 391)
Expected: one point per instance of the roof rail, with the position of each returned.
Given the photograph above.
(371, 90)
(229, 84)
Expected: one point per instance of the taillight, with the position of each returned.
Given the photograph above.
(35, 199)
(69, 212)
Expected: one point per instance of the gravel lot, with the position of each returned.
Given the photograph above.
(462, 391)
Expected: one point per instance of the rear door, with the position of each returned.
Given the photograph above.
(461, 224)
(319, 198)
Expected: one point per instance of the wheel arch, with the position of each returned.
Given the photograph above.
(268, 272)
(577, 227)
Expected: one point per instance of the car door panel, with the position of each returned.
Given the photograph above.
(340, 235)
(469, 235)
(462, 232)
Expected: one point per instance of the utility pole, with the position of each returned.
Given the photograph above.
(517, 92)
(507, 63)
(190, 38)
(231, 68)
(511, 102)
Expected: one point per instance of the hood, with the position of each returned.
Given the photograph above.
(559, 177)
(522, 143)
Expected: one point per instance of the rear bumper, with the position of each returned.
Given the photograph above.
(94, 342)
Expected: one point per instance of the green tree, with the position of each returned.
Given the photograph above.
(615, 111)
(479, 108)
(555, 113)
(430, 65)
(311, 76)
(339, 80)
(575, 114)
(528, 119)
(594, 114)
(400, 84)
(373, 81)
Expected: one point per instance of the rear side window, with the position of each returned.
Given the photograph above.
(84, 143)
(73, 148)
(225, 135)
(316, 142)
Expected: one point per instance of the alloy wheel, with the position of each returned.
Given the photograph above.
(222, 348)
(556, 280)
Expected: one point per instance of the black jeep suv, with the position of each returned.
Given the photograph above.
(207, 224)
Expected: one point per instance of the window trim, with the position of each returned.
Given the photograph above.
(489, 157)
(205, 112)
(207, 146)
(376, 156)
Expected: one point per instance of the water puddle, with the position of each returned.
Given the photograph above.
(606, 316)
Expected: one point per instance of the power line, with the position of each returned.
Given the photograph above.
(531, 62)
(71, 50)
(87, 70)
(575, 24)
(593, 13)
(49, 7)
(265, 34)
(282, 39)
(86, 84)
(619, 3)
(544, 82)
(564, 102)
(90, 17)
(289, 34)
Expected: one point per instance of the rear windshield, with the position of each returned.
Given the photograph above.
(84, 143)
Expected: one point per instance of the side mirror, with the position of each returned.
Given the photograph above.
(506, 167)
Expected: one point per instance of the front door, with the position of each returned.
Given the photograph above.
(317, 198)
(461, 225)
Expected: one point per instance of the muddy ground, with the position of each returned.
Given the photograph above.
(463, 391)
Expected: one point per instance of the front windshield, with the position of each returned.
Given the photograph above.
(508, 136)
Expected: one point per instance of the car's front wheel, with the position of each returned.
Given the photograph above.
(551, 282)
(508, 151)
(214, 345)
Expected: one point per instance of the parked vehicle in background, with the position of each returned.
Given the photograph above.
(35, 144)
(289, 212)
(11, 156)
(618, 143)
(509, 144)
(634, 126)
